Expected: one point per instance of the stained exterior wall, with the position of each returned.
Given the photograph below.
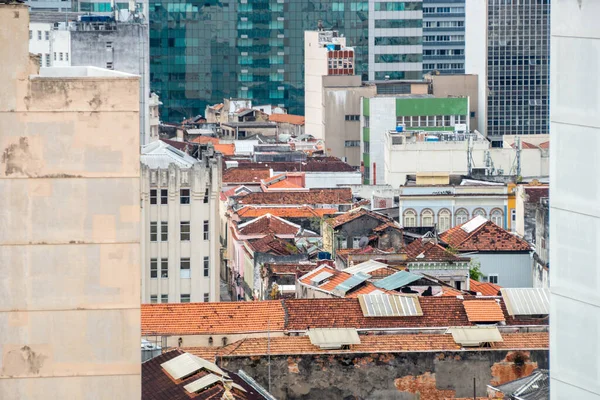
(69, 236)
(405, 376)
(574, 199)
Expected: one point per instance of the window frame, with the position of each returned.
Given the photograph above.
(185, 235)
(427, 213)
(164, 196)
(164, 231)
(185, 298)
(164, 298)
(490, 276)
(183, 197)
(164, 268)
(406, 213)
(185, 264)
(154, 231)
(206, 229)
(206, 267)
(153, 196)
(153, 268)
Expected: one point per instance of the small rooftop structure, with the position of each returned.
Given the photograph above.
(333, 338)
(159, 155)
(475, 335)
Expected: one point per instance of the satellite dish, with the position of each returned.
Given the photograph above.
(363, 242)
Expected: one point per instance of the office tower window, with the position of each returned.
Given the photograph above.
(206, 230)
(164, 267)
(184, 196)
(164, 196)
(184, 268)
(153, 231)
(184, 229)
(152, 193)
(185, 298)
(153, 268)
(164, 231)
(206, 266)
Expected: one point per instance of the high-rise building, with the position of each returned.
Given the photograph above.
(180, 218)
(69, 226)
(395, 40)
(444, 36)
(204, 52)
(508, 47)
(574, 187)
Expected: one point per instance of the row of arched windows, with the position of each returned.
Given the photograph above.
(444, 217)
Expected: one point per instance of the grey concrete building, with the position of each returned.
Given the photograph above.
(508, 47)
(444, 36)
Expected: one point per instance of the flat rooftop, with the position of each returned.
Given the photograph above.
(81, 72)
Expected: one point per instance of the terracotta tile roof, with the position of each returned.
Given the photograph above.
(282, 183)
(545, 145)
(448, 291)
(312, 164)
(487, 237)
(268, 224)
(205, 139)
(383, 227)
(245, 175)
(313, 196)
(273, 245)
(346, 313)
(157, 384)
(227, 149)
(292, 345)
(354, 214)
(430, 251)
(285, 212)
(524, 145)
(287, 118)
(483, 311)
(208, 353)
(217, 106)
(290, 269)
(211, 318)
(337, 278)
(485, 288)
(239, 190)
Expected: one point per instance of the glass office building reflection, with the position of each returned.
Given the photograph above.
(204, 51)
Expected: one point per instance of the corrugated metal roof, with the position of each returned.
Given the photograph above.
(526, 301)
(365, 267)
(317, 279)
(333, 338)
(475, 335)
(158, 154)
(473, 224)
(399, 279)
(350, 283)
(384, 305)
(187, 364)
(202, 383)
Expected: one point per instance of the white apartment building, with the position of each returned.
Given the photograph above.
(574, 200)
(180, 219)
(53, 46)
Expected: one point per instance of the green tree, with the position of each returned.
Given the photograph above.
(475, 270)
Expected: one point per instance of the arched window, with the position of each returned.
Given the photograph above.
(497, 217)
(410, 218)
(444, 220)
(427, 217)
(461, 216)
(479, 212)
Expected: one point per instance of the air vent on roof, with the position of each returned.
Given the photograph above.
(320, 278)
(384, 305)
(333, 338)
(475, 335)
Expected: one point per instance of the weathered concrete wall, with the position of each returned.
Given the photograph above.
(69, 227)
(405, 376)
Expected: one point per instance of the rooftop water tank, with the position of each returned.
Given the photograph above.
(432, 139)
(399, 128)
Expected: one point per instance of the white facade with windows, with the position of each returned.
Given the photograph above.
(53, 46)
(574, 199)
(448, 206)
(395, 40)
(180, 214)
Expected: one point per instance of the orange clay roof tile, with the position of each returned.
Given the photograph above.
(487, 237)
(313, 196)
(244, 175)
(483, 311)
(485, 288)
(285, 212)
(287, 118)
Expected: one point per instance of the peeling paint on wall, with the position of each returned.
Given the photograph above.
(23, 361)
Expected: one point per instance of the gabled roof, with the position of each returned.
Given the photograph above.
(303, 211)
(287, 118)
(485, 288)
(245, 175)
(428, 250)
(524, 145)
(269, 224)
(313, 196)
(273, 245)
(211, 318)
(158, 385)
(159, 154)
(354, 214)
(335, 279)
(283, 181)
(545, 145)
(227, 149)
(479, 234)
(239, 190)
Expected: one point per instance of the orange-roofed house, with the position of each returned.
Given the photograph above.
(286, 182)
(288, 124)
(503, 258)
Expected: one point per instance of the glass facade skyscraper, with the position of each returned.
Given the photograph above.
(444, 36)
(202, 52)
